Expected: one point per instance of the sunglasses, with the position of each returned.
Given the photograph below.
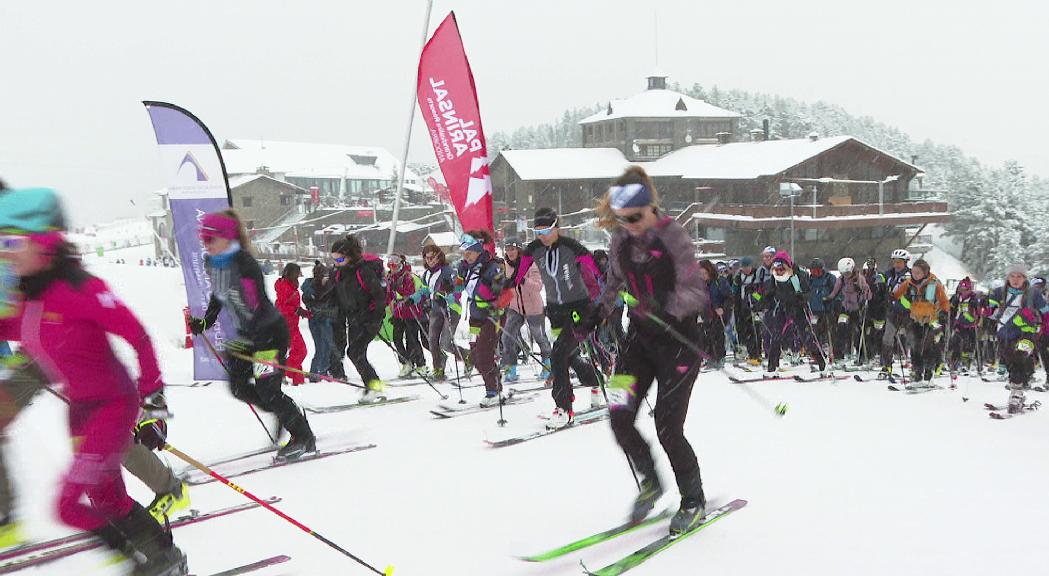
(631, 219)
(13, 243)
(340, 260)
(543, 231)
(779, 269)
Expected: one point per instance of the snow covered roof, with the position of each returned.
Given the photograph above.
(238, 180)
(443, 238)
(567, 163)
(737, 161)
(309, 160)
(659, 104)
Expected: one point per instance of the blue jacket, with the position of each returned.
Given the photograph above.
(820, 287)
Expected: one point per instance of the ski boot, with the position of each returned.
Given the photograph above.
(651, 492)
(510, 374)
(545, 375)
(754, 361)
(559, 419)
(438, 375)
(141, 540)
(885, 373)
(421, 372)
(373, 395)
(693, 507)
(1016, 401)
(298, 447)
(163, 505)
(406, 369)
(597, 399)
(10, 534)
(490, 399)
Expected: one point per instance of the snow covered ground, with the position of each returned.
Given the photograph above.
(854, 480)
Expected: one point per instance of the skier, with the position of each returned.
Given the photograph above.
(746, 292)
(713, 324)
(876, 309)
(651, 263)
(896, 315)
(854, 293)
(1018, 310)
(480, 277)
(525, 307)
(289, 304)
(923, 296)
(964, 318)
(62, 322)
(786, 312)
(610, 333)
(318, 297)
(361, 297)
(438, 286)
(259, 331)
(570, 279)
(400, 286)
(821, 301)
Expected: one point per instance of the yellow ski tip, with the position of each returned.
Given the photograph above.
(388, 571)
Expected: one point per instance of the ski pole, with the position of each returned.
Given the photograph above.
(203, 468)
(278, 365)
(604, 392)
(218, 357)
(424, 378)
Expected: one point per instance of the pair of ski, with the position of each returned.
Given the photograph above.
(383, 401)
(581, 418)
(247, 568)
(1002, 413)
(916, 389)
(445, 410)
(48, 551)
(810, 377)
(642, 554)
(237, 466)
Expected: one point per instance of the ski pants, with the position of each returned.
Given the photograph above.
(895, 325)
(824, 329)
(440, 337)
(748, 331)
(846, 333)
(565, 352)
(962, 345)
(650, 354)
(322, 333)
(512, 342)
(1019, 362)
(874, 331)
(406, 332)
(358, 336)
(784, 329)
(296, 349)
(713, 338)
(15, 394)
(260, 384)
(482, 352)
(925, 349)
(100, 437)
(338, 347)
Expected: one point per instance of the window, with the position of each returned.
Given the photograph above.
(245, 201)
(285, 200)
(654, 150)
(655, 130)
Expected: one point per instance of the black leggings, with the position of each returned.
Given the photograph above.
(260, 385)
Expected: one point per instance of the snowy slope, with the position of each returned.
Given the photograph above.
(855, 480)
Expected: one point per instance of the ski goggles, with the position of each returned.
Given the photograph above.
(13, 243)
(544, 231)
(340, 260)
(631, 218)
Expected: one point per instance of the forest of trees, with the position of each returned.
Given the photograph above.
(1000, 214)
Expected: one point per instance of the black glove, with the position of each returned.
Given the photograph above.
(197, 326)
(588, 323)
(151, 433)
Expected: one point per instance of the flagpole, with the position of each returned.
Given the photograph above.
(408, 137)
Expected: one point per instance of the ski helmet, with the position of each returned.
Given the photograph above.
(846, 265)
(965, 284)
(31, 211)
(816, 264)
(769, 250)
(901, 254)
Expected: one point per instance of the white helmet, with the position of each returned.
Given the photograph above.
(846, 265)
(768, 250)
(901, 254)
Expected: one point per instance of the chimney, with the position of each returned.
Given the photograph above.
(724, 137)
(757, 135)
(657, 81)
(914, 159)
(765, 127)
(814, 136)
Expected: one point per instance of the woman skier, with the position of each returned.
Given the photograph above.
(480, 279)
(289, 303)
(438, 286)
(923, 296)
(786, 313)
(362, 302)
(400, 286)
(1018, 310)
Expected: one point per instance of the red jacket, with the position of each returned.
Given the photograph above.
(288, 300)
(399, 287)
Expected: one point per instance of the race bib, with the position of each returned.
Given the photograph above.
(262, 370)
(1025, 346)
(879, 324)
(843, 318)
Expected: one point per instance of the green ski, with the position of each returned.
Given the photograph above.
(635, 559)
(598, 538)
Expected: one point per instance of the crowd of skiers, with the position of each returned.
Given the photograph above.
(645, 310)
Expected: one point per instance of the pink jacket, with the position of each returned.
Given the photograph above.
(527, 298)
(64, 331)
(400, 285)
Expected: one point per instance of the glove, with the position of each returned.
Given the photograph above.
(587, 323)
(154, 406)
(419, 294)
(304, 313)
(240, 346)
(152, 433)
(197, 326)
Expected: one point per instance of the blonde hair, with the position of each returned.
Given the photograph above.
(606, 217)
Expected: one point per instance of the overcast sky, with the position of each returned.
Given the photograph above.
(72, 73)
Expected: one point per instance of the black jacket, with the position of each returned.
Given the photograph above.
(360, 290)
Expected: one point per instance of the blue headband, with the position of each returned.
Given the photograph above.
(629, 196)
(468, 242)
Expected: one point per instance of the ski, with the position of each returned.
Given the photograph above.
(577, 421)
(893, 388)
(272, 561)
(344, 407)
(994, 379)
(594, 539)
(869, 377)
(745, 378)
(51, 550)
(642, 554)
(578, 414)
(921, 389)
(198, 478)
(815, 377)
(451, 411)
